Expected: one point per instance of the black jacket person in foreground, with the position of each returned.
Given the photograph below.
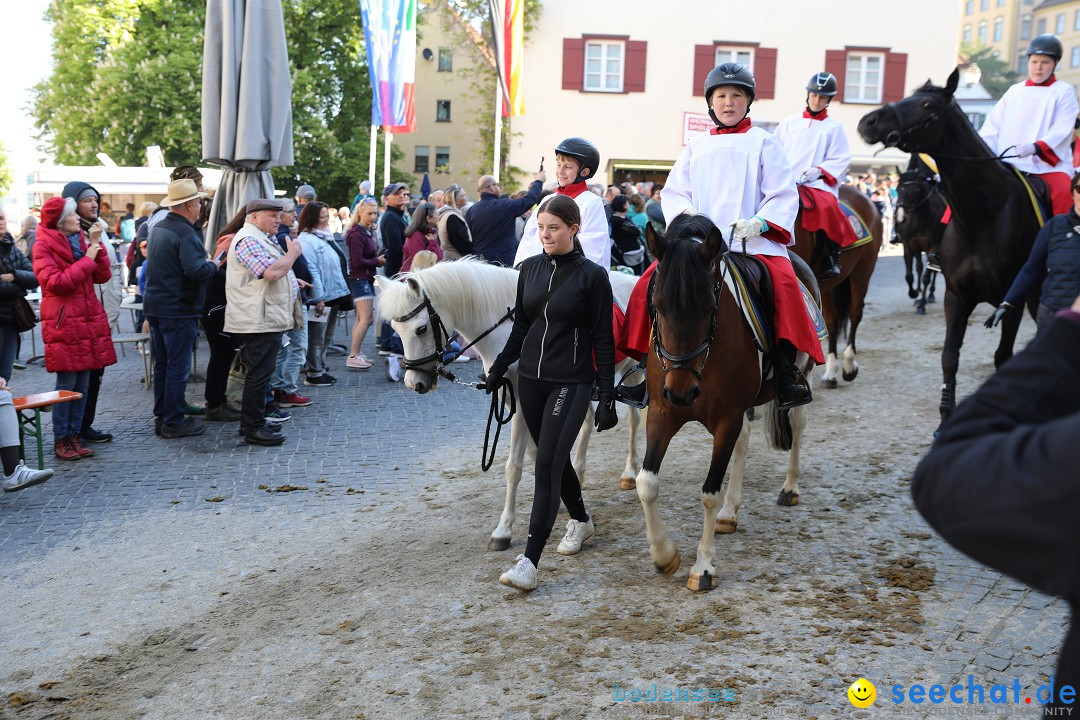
(1002, 483)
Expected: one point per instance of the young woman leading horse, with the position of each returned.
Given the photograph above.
(986, 243)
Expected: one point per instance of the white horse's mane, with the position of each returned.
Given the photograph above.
(463, 289)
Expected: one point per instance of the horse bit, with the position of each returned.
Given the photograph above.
(441, 335)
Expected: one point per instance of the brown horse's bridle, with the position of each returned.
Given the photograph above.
(681, 362)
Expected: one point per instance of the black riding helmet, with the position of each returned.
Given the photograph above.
(585, 152)
(1045, 44)
(822, 83)
(729, 74)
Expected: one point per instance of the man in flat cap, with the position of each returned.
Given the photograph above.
(263, 302)
(176, 274)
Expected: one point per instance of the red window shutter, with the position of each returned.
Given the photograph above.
(573, 63)
(836, 63)
(634, 80)
(895, 77)
(704, 62)
(765, 73)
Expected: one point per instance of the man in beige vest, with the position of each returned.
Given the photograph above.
(263, 302)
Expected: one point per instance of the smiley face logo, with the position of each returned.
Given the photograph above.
(862, 693)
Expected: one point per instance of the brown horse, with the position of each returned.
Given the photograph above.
(843, 296)
(695, 313)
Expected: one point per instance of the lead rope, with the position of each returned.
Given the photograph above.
(498, 412)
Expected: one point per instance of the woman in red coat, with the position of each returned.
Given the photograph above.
(421, 235)
(73, 323)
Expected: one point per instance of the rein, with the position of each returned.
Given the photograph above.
(441, 337)
(898, 138)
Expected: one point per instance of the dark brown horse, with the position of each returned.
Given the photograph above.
(993, 223)
(703, 366)
(844, 296)
(919, 210)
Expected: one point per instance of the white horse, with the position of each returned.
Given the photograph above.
(470, 296)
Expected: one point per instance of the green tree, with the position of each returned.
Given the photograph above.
(128, 73)
(997, 76)
(6, 178)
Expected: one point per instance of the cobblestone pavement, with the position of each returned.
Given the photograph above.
(357, 448)
(356, 435)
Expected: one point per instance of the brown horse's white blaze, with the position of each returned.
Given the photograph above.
(703, 366)
(470, 296)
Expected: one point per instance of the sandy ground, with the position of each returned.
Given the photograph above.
(394, 611)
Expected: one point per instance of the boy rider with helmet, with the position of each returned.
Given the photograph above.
(577, 160)
(738, 176)
(1035, 118)
(818, 150)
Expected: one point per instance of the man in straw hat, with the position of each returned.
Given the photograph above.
(176, 274)
(263, 302)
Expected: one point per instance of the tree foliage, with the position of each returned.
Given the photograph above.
(997, 75)
(128, 74)
(6, 178)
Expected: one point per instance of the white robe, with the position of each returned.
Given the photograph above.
(732, 177)
(1030, 113)
(810, 143)
(593, 231)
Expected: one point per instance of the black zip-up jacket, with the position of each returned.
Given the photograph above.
(176, 270)
(14, 262)
(555, 343)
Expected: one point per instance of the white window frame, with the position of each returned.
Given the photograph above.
(1059, 23)
(1025, 27)
(999, 29)
(1076, 20)
(422, 151)
(1074, 59)
(982, 33)
(967, 34)
(444, 168)
(857, 93)
(445, 52)
(730, 53)
(969, 7)
(609, 50)
(984, 5)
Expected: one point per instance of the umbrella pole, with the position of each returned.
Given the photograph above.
(388, 137)
(498, 130)
(371, 156)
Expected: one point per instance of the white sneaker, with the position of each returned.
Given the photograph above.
(576, 534)
(462, 359)
(393, 369)
(24, 477)
(522, 576)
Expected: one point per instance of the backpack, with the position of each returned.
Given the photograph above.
(127, 229)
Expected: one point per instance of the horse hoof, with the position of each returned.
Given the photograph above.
(627, 483)
(672, 566)
(921, 310)
(700, 583)
(788, 498)
(724, 526)
(497, 543)
(829, 383)
(913, 294)
(849, 376)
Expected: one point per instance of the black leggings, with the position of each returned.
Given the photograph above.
(553, 413)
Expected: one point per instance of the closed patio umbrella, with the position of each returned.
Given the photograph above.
(246, 102)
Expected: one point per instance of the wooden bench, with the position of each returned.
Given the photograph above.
(31, 425)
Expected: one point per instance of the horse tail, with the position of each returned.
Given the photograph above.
(842, 307)
(778, 427)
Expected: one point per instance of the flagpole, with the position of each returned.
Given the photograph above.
(389, 137)
(372, 157)
(498, 130)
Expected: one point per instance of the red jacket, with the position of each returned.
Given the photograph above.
(415, 243)
(73, 323)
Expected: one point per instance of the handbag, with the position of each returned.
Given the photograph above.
(25, 318)
(234, 387)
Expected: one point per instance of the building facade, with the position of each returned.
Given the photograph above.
(1005, 26)
(452, 62)
(633, 83)
(1062, 17)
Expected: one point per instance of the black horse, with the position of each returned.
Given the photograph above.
(917, 219)
(993, 223)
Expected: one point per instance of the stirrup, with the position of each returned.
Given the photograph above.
(636, 396)
(800, 381)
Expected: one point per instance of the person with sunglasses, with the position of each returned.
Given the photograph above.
(1053, 265)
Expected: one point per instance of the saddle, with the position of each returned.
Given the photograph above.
(750, 284)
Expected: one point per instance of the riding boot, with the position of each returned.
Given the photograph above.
(933, 260)
(634, 395)
(792, 388)
(832, 261)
